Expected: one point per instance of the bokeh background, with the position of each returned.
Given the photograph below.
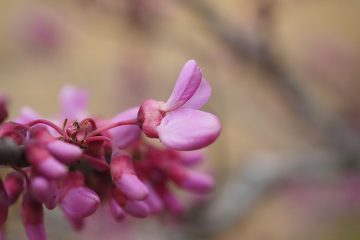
(286, 82)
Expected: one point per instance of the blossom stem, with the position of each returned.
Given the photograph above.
(48, 123)
(112, 125)
(89, 120)
(98, 138)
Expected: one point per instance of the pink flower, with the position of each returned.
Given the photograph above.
(78, 162)
(177, 122)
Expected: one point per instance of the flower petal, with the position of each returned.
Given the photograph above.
(73, 102)
(27, 114)
(125, 135)
(186, 85)
(200, 97)
(189, 129)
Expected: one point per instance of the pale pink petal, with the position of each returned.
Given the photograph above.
(189, 129)
(122, 136)
(80, 202)
(65, 152)
(200, 97)
(27, 114)
(185, 87)
(73, 102)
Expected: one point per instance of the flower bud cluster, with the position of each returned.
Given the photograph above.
(83, 162)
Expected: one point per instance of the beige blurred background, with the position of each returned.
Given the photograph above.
(286, 82)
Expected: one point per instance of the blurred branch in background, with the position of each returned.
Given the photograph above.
(338, 134)
(263, 174)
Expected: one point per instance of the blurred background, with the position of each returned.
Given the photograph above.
(286, 80)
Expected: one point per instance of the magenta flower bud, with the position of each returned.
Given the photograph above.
(65, 152)
(191, 158)
(33, 218)
(3, 109)
(14, 185)
(116, 211)
(153, 201)
(193, 181)
(125, 179)
(45, 191)
(80, 202)
(43, 162)
(4, 204)
(136, 208)
(14, 131)
(172, 203)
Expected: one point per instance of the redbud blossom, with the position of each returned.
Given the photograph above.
(177, 122)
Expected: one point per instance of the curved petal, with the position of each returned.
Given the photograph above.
(186, 85)
(200, 97)
(189, 129)
(73, 102)
(125, 135)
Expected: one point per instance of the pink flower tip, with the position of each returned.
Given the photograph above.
(116, 211)
(65, 152)
(80, 202)
(132, 187)
(137, 208)
(198, 182)
(51, 168)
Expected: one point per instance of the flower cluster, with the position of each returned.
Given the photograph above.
(81, 162)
